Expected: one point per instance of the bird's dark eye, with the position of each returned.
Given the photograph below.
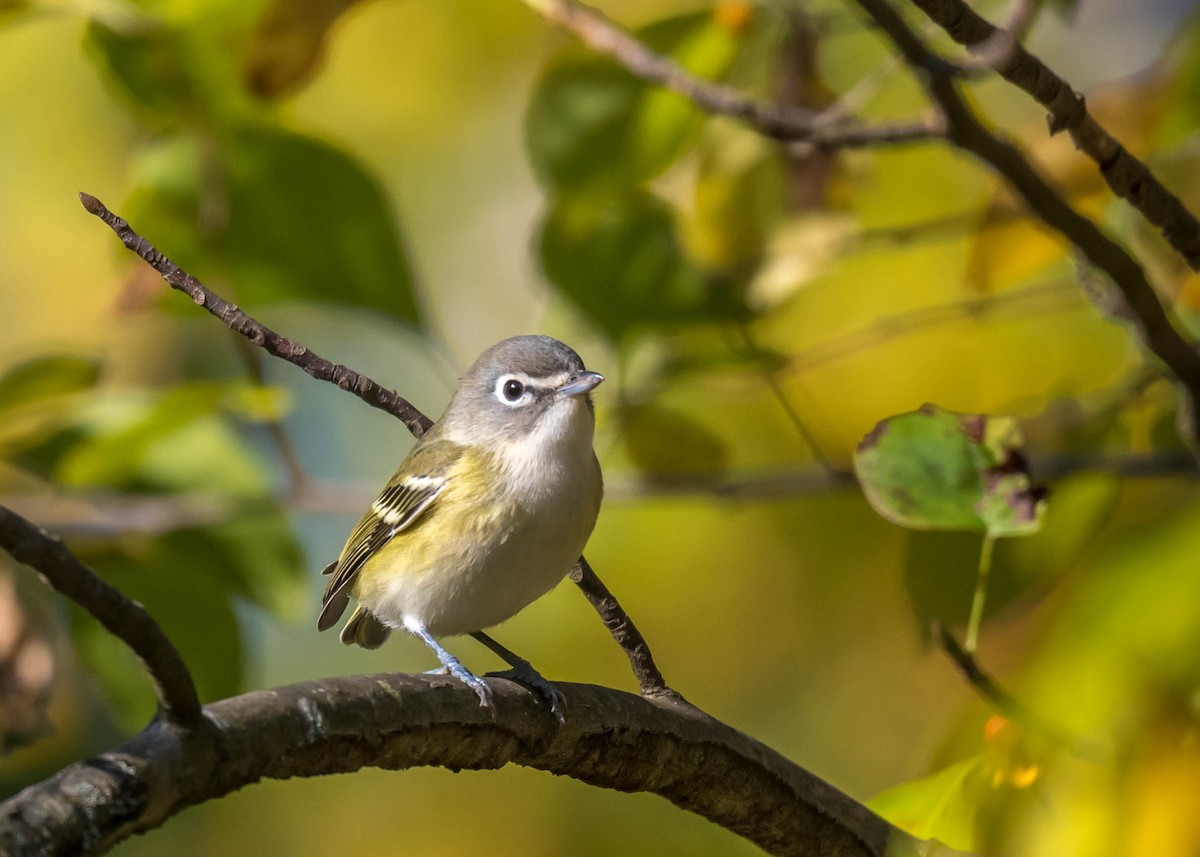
(513, 389)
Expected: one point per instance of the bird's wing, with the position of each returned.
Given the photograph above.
(418, 482)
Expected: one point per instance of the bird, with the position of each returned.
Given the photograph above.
(488, 512)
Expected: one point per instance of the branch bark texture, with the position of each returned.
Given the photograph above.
(1127, 176)
(338, 725)
(650, 679)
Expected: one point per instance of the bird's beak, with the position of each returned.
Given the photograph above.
(584, 382)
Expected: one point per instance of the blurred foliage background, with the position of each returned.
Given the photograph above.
(398, 184)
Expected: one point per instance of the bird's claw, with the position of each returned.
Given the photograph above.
(525, 674)
(475, 683)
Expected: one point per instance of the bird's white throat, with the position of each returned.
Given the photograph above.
(536, 463)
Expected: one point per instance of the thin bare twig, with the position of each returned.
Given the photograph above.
(125, 619)
(965, 130)
(1007, 704)
(615, 619)
(1127, 176)
(777, 121)
(259, 334)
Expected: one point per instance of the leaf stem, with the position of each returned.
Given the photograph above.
(985, 569)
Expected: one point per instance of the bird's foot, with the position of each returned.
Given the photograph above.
(474, 682)
(452, 665)
(525, 674)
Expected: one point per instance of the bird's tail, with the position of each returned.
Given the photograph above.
(364, 629)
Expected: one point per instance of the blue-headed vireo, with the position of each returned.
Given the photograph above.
(487, 513)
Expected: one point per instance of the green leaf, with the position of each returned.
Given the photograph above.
(36, 397)
(962, 804)
(46, 377)
(175, 63)
(142, 59)
(282, 216)
(934, 469)
(939, 806)
(180, 442)
(590, 122)
(287, 44)
(617, 258)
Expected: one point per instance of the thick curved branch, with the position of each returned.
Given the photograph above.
(777, 121)
(259, 334)
(1128, 177)
(337, 725)
(966, 131)
(124, 619)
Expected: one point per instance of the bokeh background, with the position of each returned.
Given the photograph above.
(400, 183)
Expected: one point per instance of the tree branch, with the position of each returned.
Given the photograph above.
(967, 132)
(338, 725)
(657, 743)
(259, 334)
(1128, 177)
(1008, 705)
(777, 121)
(615, 619)
(997, 48)
(126, 620)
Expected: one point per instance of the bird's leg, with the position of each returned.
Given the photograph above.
(451, 664)
(522, 671)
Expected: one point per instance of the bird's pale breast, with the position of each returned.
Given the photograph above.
(516, 546)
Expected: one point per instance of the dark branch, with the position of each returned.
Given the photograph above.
(998, 48)
(967, 132)
(259, 334)
(1007, 704)
(777, 121)
(338, 725)
(125, 619)
(615, 619)
(1128, 177)
(628, 637)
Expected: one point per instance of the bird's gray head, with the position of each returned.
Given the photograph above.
(520, 385)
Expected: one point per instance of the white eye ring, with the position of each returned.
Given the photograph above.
(512, 391)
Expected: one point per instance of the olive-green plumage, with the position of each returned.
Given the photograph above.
(489, 510)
